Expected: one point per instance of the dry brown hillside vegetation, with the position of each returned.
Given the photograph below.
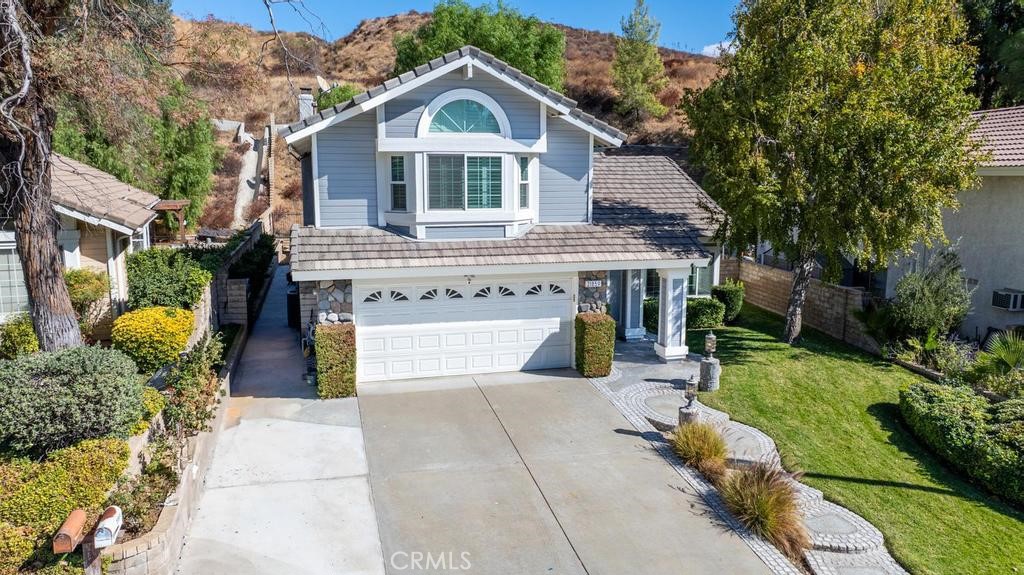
(366, 57)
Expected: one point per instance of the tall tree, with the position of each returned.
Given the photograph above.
(997, 28)
(836, 128)
(525, 42)
(54, 47)
(637, 71)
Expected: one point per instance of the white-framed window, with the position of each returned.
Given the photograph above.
(524, 182)
(462, 181)
(13, 295)
(399, 195)
(464, 112)
(699, 281)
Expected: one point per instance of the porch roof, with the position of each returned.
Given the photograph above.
(92, 195)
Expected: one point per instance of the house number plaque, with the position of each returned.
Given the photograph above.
(593, 283)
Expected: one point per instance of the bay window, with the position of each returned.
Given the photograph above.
(459, 182)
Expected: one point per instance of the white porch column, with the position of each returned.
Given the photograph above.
(633, 308)
(671, 343)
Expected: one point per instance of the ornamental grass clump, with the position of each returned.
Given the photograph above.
(702, 447)
(153, 336)
(762, 498)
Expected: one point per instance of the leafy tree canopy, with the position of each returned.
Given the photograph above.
(837, 127)
(997, 29)
(638, 72)
(336, 95)
(536, 48)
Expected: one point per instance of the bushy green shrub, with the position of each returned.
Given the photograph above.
(1003, 354)
(253, 264)
(153, 336)
(704, 313)
(153, 402)
(595, 344)
(702, 447)
(56, 399)
(17, 337)
(1008, 411)
(763, 500)
(957, 424)
(1009, 384)
(85, 287)
(651, 314)
(193, 387)
(932, 301)
(335, 360)
(731, 294)
(162, 277)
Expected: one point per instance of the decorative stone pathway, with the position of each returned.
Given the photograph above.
(843, 543)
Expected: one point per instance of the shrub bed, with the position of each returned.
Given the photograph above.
(17, 337)
(153, 336)
(153, 402)
(36, 496)
(192, 386)
(335, 360)
(985, 442)
(731, 295)
(56, 399)
(162, 277)
(704, 313)
(140, 497)
(595, 343)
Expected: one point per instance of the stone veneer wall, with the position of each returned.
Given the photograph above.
(326, 301)
(593, 298)
(828, 308)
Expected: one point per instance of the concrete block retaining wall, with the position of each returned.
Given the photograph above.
(828, 308)
(155, 552)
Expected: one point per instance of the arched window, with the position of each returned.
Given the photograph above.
(463, 111)
(464, 117)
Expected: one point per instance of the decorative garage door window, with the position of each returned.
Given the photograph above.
(372, 297)
(443, 293)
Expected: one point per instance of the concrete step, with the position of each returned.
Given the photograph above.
(837, 529)
(871, 563)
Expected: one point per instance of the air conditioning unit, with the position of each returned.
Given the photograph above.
(1008, 299)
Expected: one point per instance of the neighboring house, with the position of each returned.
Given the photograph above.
(459, 215)
(101, 220)
(988, 229)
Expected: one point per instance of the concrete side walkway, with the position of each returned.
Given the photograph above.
(531, 473)
(287, 490)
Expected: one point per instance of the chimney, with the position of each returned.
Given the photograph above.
(306, 105)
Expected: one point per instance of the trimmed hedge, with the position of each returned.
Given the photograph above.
(18, 337)
(651, 314)
(53, 400)
(595, 344)
(153, 336)
(165, 277)
(731, 295)
(36, 497)
(704, 313)
(957, 424)
(335, 360)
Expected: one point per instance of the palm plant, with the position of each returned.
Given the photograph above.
(1004, 353)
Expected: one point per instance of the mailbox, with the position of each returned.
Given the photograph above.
(70, 534)
(108, 527)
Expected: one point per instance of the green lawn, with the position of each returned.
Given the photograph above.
(833, 411)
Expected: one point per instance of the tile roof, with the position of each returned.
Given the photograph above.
(646, 209)
(1001, 133)
(96, 193)
(525, 82)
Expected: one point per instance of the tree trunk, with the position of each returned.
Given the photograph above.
(797, 296)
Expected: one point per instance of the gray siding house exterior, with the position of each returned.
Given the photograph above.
(462, 213)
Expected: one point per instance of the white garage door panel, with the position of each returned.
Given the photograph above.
(424, 331)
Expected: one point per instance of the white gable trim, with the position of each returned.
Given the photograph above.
(427, 77)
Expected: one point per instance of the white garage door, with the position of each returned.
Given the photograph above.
(447, 328)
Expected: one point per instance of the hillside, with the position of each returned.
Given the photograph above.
(366, 57)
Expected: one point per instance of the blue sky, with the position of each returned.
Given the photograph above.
(685, 24)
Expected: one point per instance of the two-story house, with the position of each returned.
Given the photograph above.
(462, 213)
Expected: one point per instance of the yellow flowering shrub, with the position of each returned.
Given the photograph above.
(153, 336)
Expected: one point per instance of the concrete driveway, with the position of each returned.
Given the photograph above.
(529, 474)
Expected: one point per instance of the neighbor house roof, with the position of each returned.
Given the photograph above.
(646, 210)
(366, 100)
(92, 195)
(1001, 133)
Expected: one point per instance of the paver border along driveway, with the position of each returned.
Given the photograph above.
(524, 473)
